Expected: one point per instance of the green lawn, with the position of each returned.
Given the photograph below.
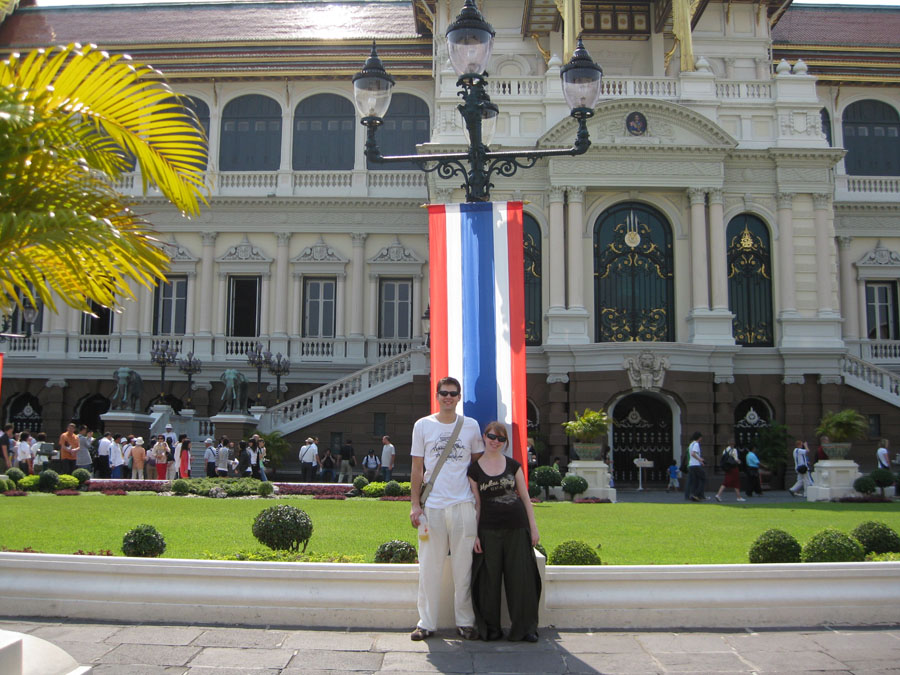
(630, 534)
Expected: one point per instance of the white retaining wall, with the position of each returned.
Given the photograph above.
(384, 596)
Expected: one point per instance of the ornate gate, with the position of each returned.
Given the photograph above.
(642, 426)
(751, 415)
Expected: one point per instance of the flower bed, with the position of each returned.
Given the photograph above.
(67, 493)
(592, 500)
(131, 485)
(115, 493)
(386, 498)
(15, 493)
(311, 488)
(329, 497)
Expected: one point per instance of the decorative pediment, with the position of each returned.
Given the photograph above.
(177, 252)
(396, 259)
(646, 371)
(320, 258)
(879, 263)
(244, 252)
(647, 122)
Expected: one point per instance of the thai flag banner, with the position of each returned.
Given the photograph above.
(477, 311)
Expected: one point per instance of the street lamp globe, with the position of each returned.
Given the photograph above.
(372, 88)
(581, 78)
(470, 40)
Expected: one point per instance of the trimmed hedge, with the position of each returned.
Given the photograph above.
(830, 545)
(774, 546)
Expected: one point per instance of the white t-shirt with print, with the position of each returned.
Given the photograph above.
(883, 458)
(428, 440)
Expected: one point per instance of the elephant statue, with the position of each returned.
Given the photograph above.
(129, 387)
(235, 394)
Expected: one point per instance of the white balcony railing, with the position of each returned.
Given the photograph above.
(93, 345)
(248, 180)
(867, 188)
(742, 90)
(20, 345)
(513, 87)
(639, 87)
(318, 180)
(881, 351)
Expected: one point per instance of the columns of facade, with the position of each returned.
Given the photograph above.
(221, 303)
(824, 288)
(575, 229)
(264, 301)
(785, 217)
(718, 251)
(417, 309)
(280, 318)
(372, 292)
(340, 304)
(848, 290)
(357, 292)
(297, 303)
(557, 241)
(862, 319)
(190, 303)
(145, 310)
(699, 267)
(207, 267)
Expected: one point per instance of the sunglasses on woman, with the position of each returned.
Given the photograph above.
(495, 437)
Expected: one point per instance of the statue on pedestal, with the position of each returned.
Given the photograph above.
(129, 387)
(235, 394)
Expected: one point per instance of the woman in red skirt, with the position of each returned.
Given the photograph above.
(731, 463)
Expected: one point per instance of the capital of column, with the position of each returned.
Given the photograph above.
(844, 241)
(821, 201)
(557, 193)
(443, 195)
(575, 194)
(208, 238)
(358, 238)
(785, 200)
(716, 195)
(297, 275)
(56, 382)
(283, 238)
(557, 378)
(222, 276)
(697, 195)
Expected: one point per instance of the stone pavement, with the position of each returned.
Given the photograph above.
(139, 649)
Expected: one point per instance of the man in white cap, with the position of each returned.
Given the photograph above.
(309, 460)
(209, 456)
(171, 438)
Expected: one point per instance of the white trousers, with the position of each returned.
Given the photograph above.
(451, 530)
(803, 481)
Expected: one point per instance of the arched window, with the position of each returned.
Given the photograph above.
(324, 137)
(251, 134)
(533, 299)
(23, 411)
(750, 281)
(633, 281)
(826, 126)
(201, 110)
(750, 416)
(405, 126)
(872, 139)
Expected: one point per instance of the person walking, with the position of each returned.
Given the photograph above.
(696, 469)
(209, 458)
(25, 454)
(261, 458)
(85, 441)
(754, 484)
(309, 461)
(388, 453)
(184, 459)
(160, 453)
(731, 464)
(882, 457)
(673, 472)
(443, 445)
(223, 457)
(348, 461)
(138, 459)
(68, 447)
(504, 547)
(117, 458)
(801, 466)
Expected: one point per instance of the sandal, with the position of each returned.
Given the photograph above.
(467, 632)
(420, 634)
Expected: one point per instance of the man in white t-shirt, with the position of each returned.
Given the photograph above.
(103, 455)
(449, 510)
(882, 458)
(387, 457)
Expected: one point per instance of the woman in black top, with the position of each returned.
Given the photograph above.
(504, 549)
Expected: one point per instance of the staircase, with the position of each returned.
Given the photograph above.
(312, 407)
(871, 379)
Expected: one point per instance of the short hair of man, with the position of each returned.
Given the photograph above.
(697, 436)
(448, 380)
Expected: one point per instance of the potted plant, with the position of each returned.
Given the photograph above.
(586, 429)
(841, 427)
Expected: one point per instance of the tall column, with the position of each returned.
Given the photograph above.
(785, 217)
(848, 290)
(279, 320)
(417, 309)
(861, 309)
(824, 288)
(264, 300)
(297, 303)
(207, 267)
(221, 303)
(340, 304)
(557, 241)
(575, 236)
(357, 313)
(699, 267)
(718, 251)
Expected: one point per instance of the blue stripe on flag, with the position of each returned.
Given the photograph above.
(479, 328)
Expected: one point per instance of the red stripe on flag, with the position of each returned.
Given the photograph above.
(515, 239)
(437, 283)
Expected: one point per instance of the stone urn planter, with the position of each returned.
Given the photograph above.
(586, 429)
(833, 478)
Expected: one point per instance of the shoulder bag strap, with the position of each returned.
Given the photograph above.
(426, 488)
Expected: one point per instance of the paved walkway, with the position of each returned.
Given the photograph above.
(115, 649)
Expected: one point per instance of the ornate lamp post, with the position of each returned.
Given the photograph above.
(258, 359)
(163, 356)
(279, 367)
(470, 40)
(7, 320)
(190, 367)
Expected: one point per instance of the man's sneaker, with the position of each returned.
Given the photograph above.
(467, 632)
(420, 634)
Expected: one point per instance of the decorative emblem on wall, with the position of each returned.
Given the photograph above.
(632, 238)
(636, 124)
(647, 370)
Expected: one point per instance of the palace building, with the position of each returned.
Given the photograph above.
(725, 256)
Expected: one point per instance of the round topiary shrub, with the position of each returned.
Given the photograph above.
(283, 527)
(574, 485)
(15, 474)
(876, 537)
(180, 486)
(7, 485)
(547, 477)
(144, 541)
(883, 478)
(48, 480)
(392, 489)
(83, 475)
(830, 545)
(360, 482)
(266, 489)
(864, 485)
(534, 490)
(374, 489)
(396, 551)
(574, 553)
(775, 546)
(67, 482)
(29, 483)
